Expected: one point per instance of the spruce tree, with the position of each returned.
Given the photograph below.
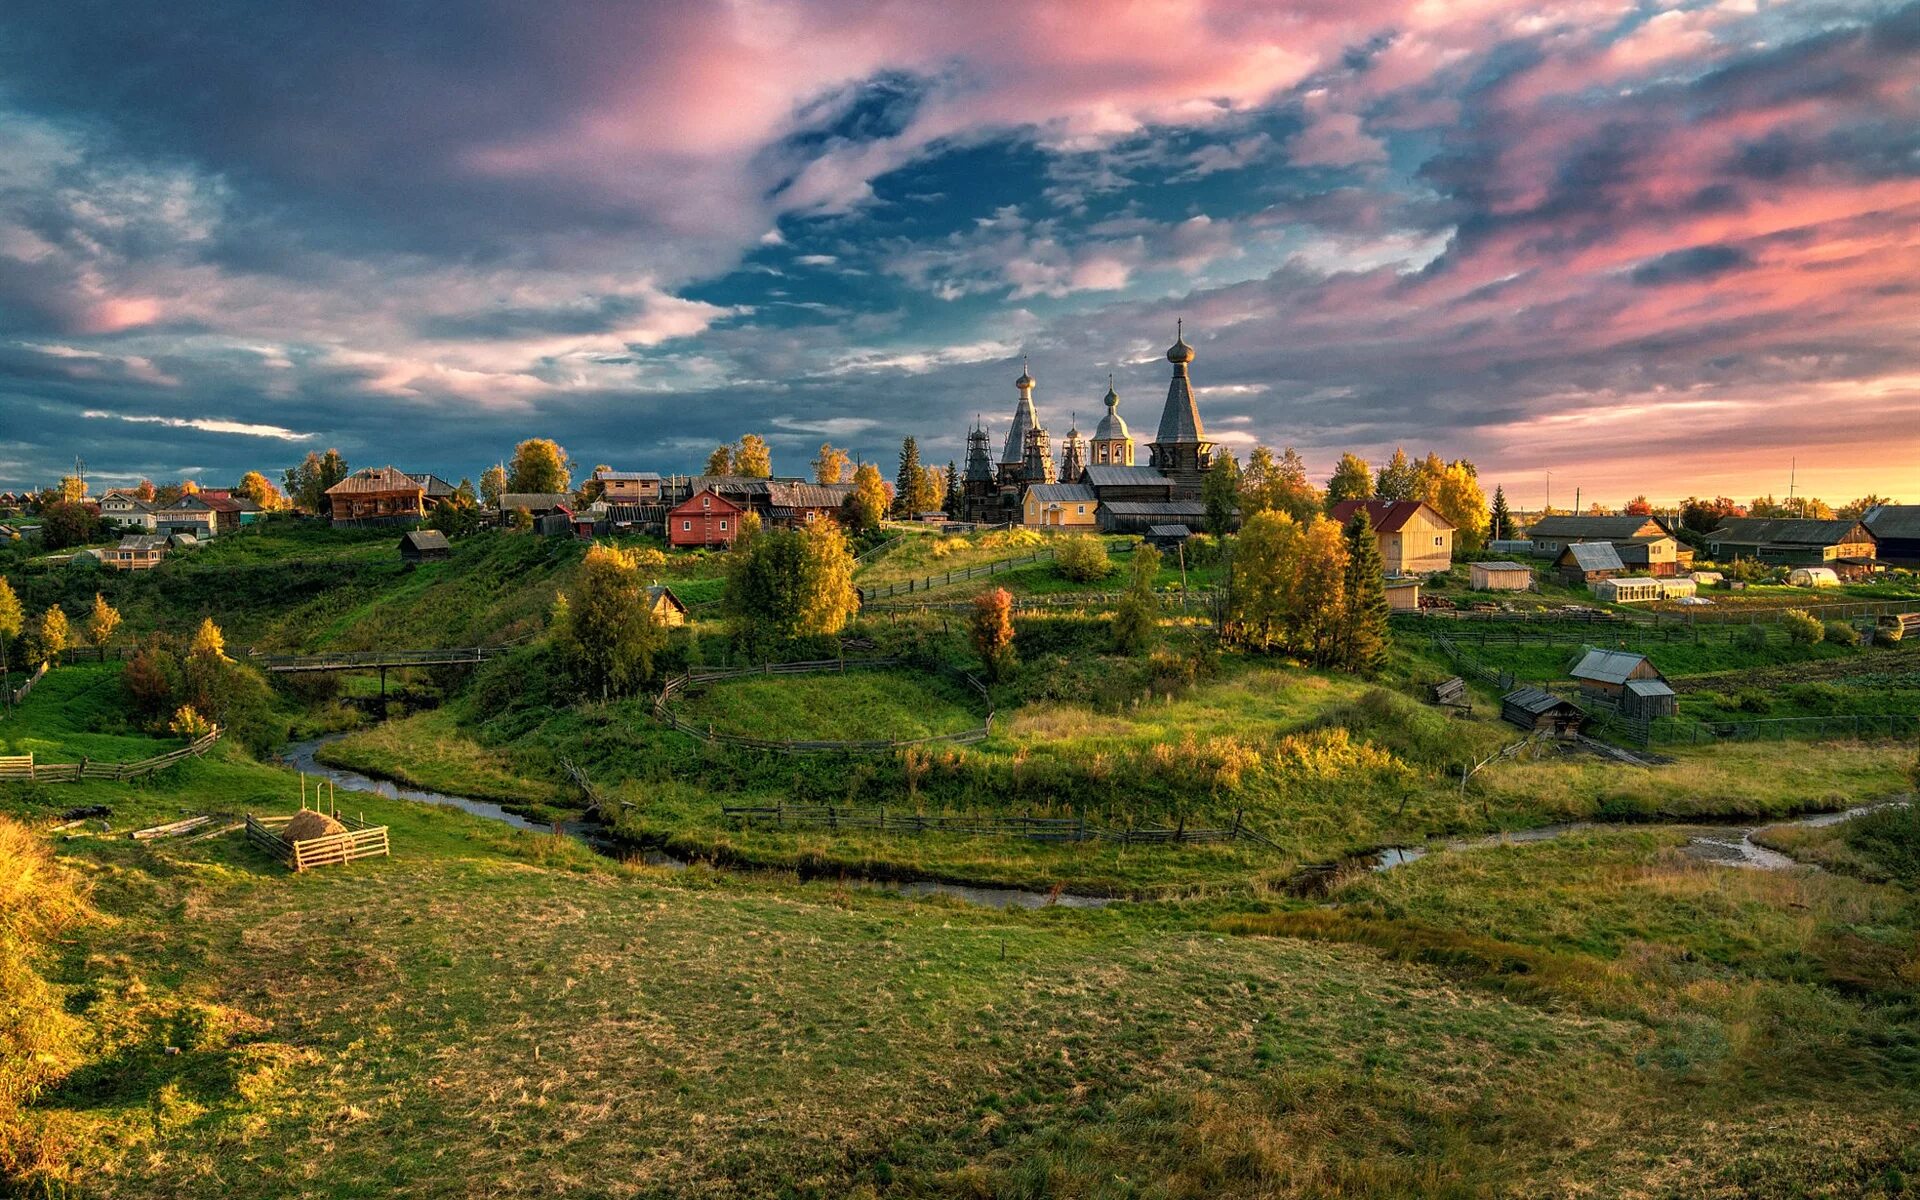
(1365, 649)
(1500, 520)
(908, 480)
(953, 496)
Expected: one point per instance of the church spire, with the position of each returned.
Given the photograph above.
(1180, 450)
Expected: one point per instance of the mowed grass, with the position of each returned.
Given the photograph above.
(866, 704)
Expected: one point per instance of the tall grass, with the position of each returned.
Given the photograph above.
(37, 1037)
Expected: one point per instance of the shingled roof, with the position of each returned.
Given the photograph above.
(377, 479)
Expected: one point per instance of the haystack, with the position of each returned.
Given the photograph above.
(310, 824)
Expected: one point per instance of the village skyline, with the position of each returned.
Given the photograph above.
(1660, 250)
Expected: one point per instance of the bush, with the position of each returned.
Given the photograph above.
(1842, 634)
(1753, 700)
(37, 1036)
(1753, 637)
(1889, 633)
(1083, 558)
(1803, 629)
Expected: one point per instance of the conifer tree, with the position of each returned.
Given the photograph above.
(907, 481)
(952, 495)
(1365, 647)
(1136, 619)
(1500, 519)
(1398, 480)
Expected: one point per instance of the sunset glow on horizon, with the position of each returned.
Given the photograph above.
(1652, 248)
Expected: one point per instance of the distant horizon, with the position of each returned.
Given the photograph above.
(1660, 249)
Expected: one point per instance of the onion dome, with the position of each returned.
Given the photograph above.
(1180, 352)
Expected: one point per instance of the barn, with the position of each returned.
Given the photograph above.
(1537, 708)
(1896, 532)
(667, 608)
(1501, 576)
(1627, 681)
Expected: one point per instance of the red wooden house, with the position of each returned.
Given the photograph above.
(706, 518)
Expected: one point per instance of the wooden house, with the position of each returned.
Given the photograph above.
(377, 496)
(1500, 576)
(667, 608)
(1060, 506)
(1535, 708)
(140, 552)
(1551, 535)
(1589, 562)
(424, 545)
(628, 487)
(704, 519)
(123, 508)
(534, 504)
(1414, 538)
(1896, 533)
(1403, 595)
(201, 516)
(1627, 681)
(1845, 545)
(794, 505)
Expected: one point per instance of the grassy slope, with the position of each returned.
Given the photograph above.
(503, 1014)
(854, 706)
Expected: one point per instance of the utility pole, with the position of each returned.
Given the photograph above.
(1547, 509)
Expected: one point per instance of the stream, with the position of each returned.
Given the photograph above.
(300, 756)
(1730, 844)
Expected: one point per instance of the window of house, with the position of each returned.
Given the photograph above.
(1083, 508)
(723, 524)
(706, 502)
(686, 526)
(1437, 539)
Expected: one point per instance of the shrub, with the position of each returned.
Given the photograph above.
(1803, 629)
(990, 628)
(1753, 637)
(1753, 700)
(1817, 695)
(1083, 558)
(1889, 633)
(37, 1036)
(1842, 634)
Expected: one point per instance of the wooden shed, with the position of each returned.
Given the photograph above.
(1628, 681)
(424, 545)
(1537, 708)
(1501, 576)
(668, 609)
(1589, 562)
(1403, 595)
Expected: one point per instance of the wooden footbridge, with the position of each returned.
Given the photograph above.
(374, 660)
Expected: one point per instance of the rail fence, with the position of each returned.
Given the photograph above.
(26, 689)
(943, 578)
(361, 840)
(22, 766)
(1668, 731)
(1467, 664)
(346, 660)
(1039, 829)
(676, 686)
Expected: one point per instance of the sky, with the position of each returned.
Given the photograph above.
(1660, 248)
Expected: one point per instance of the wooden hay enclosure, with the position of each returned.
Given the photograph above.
(361, 840)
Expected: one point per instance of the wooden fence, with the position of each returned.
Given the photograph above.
(26, 689)
(1038, 829)
(18, 767)
(943, 578)
(1467, 664)
(1669, 731)
(674, 687)
(360, 840)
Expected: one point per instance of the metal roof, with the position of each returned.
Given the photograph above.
(1387, 516)
(1061, 493)
(1101, 475)
(1603, 528)
(535, 501)
(144, 541)
(1893, 520)
(1649, 687)
(808, 495)
(1156, 508)
(1791, 531)
(426, 539)
(1595, 556)
(1169, 531)
(1504, 566)
(632, 476)
(1608, 666)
